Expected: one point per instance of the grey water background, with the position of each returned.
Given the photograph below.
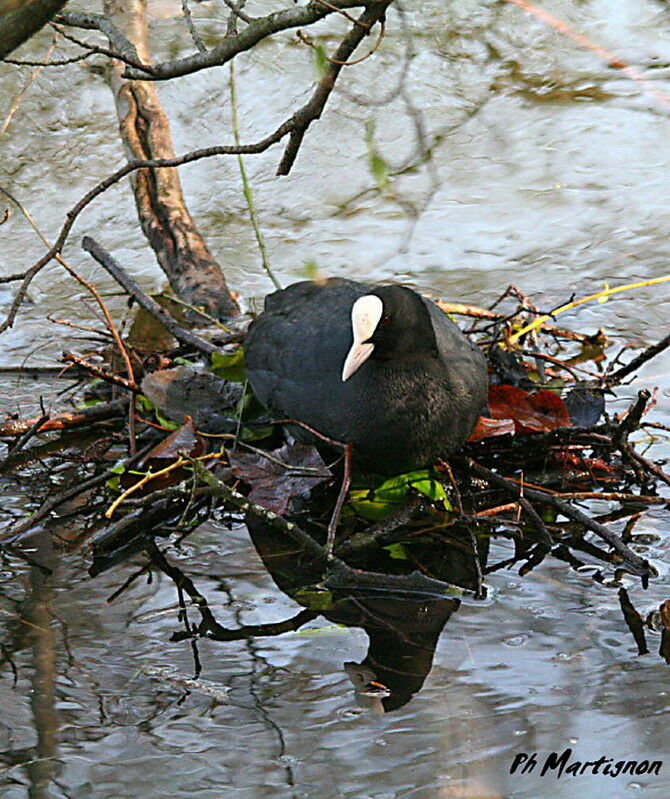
(548, 170)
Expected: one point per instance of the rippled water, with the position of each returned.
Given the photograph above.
(548, 170)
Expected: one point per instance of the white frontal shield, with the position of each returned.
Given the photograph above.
(365, 315)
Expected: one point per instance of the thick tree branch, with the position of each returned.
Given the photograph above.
(258, 28)
(181, 251)
(23, 21)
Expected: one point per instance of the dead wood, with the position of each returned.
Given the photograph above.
(191, 269)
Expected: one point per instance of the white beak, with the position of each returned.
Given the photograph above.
(365, 315)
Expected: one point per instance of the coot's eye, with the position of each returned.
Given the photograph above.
(385, 320)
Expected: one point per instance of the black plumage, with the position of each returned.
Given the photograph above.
(415, 395)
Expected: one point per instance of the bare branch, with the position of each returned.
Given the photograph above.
(124, 279)
(303, 118)
(93, 49)
(258, 28)
(115, 177)
(102, 23)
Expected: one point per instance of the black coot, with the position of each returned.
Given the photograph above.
(378, 367)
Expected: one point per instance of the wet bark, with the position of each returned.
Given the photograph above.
(192, 271)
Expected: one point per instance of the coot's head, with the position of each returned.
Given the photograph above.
(389, 323)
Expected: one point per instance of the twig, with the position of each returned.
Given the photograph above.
(124, 50)
(16, 102)
(639, 360)
(639, 565)
(631, 421)
(61, 421)
(103, 374)
(13, 278)
(115, 177)
(101, 303)
(236, 13)
(576, 303)
(341, 11)
(479, 592)
(119, 274)
(380, 534)
(454, 485)
(149, 476)
(257, 29)
(13, 533)
(30, 432)
(517, 491)
(372, 51)
(635, 458)
(191, 27)
(313, 109)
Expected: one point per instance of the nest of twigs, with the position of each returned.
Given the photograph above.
(140, 460)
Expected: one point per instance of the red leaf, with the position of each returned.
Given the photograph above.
(531, 413)
(486, 428)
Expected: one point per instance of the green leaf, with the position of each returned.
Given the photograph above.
(379, 168)
(320, 60)
(229, 365)
(256, 433)
(397, 551)
(376, 504)
(548, 514)
(148, 407)
(145, 403)
(314, 599)
(89, 403)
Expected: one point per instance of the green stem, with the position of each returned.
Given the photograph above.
(248, 195)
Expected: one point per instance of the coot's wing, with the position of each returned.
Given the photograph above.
(465, 362)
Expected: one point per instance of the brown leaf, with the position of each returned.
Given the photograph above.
(274, 482)
(182, 440)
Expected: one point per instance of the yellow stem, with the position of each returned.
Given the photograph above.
(605, 293)
(152, 475)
